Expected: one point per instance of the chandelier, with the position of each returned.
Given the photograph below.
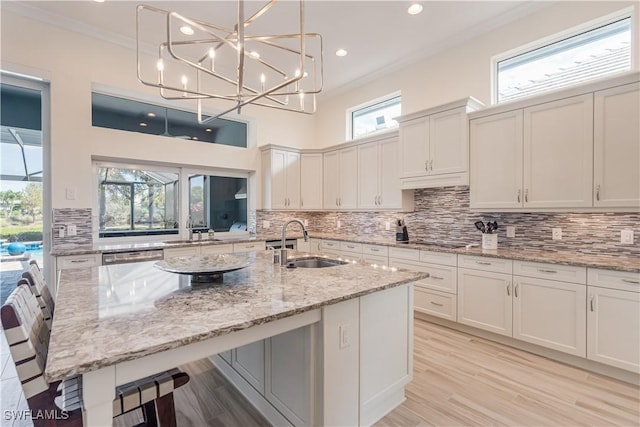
(190, 59)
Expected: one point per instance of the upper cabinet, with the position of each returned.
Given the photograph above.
(281, 179)
(434, 146)
(378, 175)
(616, 166)
(574, 149)
(341, 179)
(311, 181)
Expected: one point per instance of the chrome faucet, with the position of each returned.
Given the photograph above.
(190, 227)
(283, 247)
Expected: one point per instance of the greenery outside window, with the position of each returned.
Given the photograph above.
(374, 116)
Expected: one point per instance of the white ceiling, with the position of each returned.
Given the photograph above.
(380, 36)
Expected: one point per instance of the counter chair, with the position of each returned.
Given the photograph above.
(33, 277)
(28, 336)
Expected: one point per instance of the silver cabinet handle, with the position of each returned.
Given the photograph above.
(437, 304)
(542, 270)
(379, 200)
(519, 191)
(436, 277)
(336, 201)
(79, 261)
(515, 290)
(339, 201)
(635, 282)
(375, 250)
(483, 263)
(526, 195)
(301, 202)
(426, 165)
(508, 289)
(598, 192)
(431, 165)
(591, 303)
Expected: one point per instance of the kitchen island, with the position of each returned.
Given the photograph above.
(115, 324)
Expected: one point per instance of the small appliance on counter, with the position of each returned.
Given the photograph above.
(489, 238)
(401, 231)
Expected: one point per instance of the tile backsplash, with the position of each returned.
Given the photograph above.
(81, 218)
(443, 215)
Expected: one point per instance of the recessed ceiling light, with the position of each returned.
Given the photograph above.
(143, 124)
(254, 54)
(415, 9)
(195, 138)
(341, 52)
(186, 30)
(99, 1)
(208, 130)
(151, 114)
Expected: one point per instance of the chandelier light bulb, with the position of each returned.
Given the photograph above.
(160, 65)
(212, 53)
(263, 79)
(415, 9)
(341, 52)
(184, 80)
(254, 54)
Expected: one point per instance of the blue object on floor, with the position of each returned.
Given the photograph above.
(16, 248)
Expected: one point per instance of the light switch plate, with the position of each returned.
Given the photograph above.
(345, 335)
(556, 233)
(306, 222)
(72, 230)
(626, 237)
(71, 193)
(387, 226)
(266, 224)
(338, 224)
(511, 231)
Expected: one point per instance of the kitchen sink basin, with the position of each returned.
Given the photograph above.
(314, 263)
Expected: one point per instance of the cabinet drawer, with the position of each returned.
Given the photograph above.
(351, 247)
(486, 263)
(216, 249)
(621, 280)
(563, 273)
(404, 254)
(329, 244)
(79, 261)
(439, 258)
(249, 247)
(188, 251)
(435, 303)
(377, 260)
(375, 250)
(441, 277)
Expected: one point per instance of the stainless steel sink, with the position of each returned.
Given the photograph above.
(314, 263)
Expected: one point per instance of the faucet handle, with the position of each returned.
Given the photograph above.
(305, 234)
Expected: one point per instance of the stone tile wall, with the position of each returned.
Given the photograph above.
(443, 215)
(81, 218)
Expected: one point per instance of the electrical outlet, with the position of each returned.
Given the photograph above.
(387, 226)
(556, 233)
(345, 335)
(338, 224)
(306, 222)
(71, 193)
(511, 231)
(61, 231)
(72, 230)
(266, 224)
(626, 237)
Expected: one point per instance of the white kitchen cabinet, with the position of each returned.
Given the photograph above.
(248, 361)
(495, 146)
(311, 181)
(558, 153)
(386, 353)
(330, 247)
(340, 176)
(259, 245)
(378, 175)
(434, 303)
(484, 300)
(187, 251)
(281, 179)
(613, 310)
(78, 261)
(288, 384)
(215, 249)
(550, 313)
(434, 146)
(617, 147)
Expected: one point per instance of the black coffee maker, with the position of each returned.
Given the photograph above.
(401, 231)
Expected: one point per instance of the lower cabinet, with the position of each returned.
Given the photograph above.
(435, 303)
(484, 300)
(248, 361)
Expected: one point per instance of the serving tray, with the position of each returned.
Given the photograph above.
(204, 268)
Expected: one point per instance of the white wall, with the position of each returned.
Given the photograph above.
(72, 63)
(463, 70)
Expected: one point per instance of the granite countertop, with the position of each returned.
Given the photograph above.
(110, 314)
(606, 261)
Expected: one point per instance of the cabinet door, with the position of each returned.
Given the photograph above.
(617, 147)
(248, 361)
(389, 175)
(288, 379)
(484, 300)
(368, 176)
(613, 332)
(330, 180)
(278, 179)
(348, 178)
(414, 147)
(293, 181)
(495, 170)
(311, 181)
(550, 313)
(448, 142)
(558, 153)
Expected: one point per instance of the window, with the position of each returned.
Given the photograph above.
(218, 203)
(133, 116)
(137, 202)
(374, 116)
(601, 50)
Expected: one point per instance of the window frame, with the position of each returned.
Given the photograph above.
(593, 24)
(351, 110)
